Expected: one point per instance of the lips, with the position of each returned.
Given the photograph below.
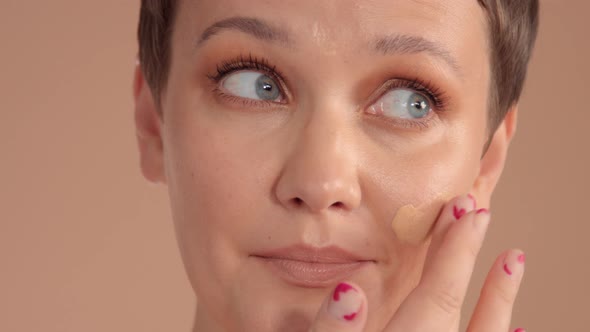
(306, 266)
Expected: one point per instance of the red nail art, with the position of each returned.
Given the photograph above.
(507, 270)
(482, 211)
(474, 201)
(350, 316)
(458, 213)
(341, 288)
(521, 258)
(520, 329)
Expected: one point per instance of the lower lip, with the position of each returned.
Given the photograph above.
(312, 274)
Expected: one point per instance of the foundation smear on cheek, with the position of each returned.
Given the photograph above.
(413, 224)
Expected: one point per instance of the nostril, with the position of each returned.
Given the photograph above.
(338, 205)
(298, 202)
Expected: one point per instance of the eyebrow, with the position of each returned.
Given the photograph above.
(393, 44)
(253, 26)
(407, 44)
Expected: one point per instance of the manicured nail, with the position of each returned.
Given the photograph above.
(480, 211)
(458, 212)
(463, 205)
(520, 329)
(514, 264)
(345, 302)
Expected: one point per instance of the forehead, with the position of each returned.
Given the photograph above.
(347, 27)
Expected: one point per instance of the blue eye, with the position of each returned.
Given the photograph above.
(252, 85)
(403, 104)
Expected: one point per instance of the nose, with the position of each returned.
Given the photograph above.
(320, 172)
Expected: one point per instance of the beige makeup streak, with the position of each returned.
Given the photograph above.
(413, 224)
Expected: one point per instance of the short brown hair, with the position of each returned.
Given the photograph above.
(512, 24)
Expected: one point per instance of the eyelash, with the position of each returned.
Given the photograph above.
(250, 62)
(426, 88)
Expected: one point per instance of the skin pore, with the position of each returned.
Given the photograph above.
(330, 160)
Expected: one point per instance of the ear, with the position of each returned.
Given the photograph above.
(493, 161)
(148, 130)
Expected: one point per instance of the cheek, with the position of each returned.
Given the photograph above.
(424, 178)
(212, 181)
(417, 175)
(214, 196)
(411, 186)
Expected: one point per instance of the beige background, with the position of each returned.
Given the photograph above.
(87, 245)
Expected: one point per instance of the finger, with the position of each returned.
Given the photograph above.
(344, 310)
(454, 210)
(435, 303)
(494, 307)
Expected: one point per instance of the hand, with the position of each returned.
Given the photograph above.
(435, 304)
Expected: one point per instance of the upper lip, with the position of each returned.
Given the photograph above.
(305, 253)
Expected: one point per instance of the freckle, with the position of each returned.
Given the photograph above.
(269, 237)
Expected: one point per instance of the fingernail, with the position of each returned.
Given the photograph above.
(514, 264)
(480, 211)
(520, 329)
(458, 212)
(345, 302)
(463, 205)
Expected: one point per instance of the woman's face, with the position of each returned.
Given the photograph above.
(310, 123)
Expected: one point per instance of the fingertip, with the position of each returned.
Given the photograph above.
(346, 302)
(513, 264)
(494, 308)
(454, 210)
(458, 230)
(345, 309)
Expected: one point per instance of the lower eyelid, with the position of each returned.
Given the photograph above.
(421, 123)
(244, 102)
(411, 124)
